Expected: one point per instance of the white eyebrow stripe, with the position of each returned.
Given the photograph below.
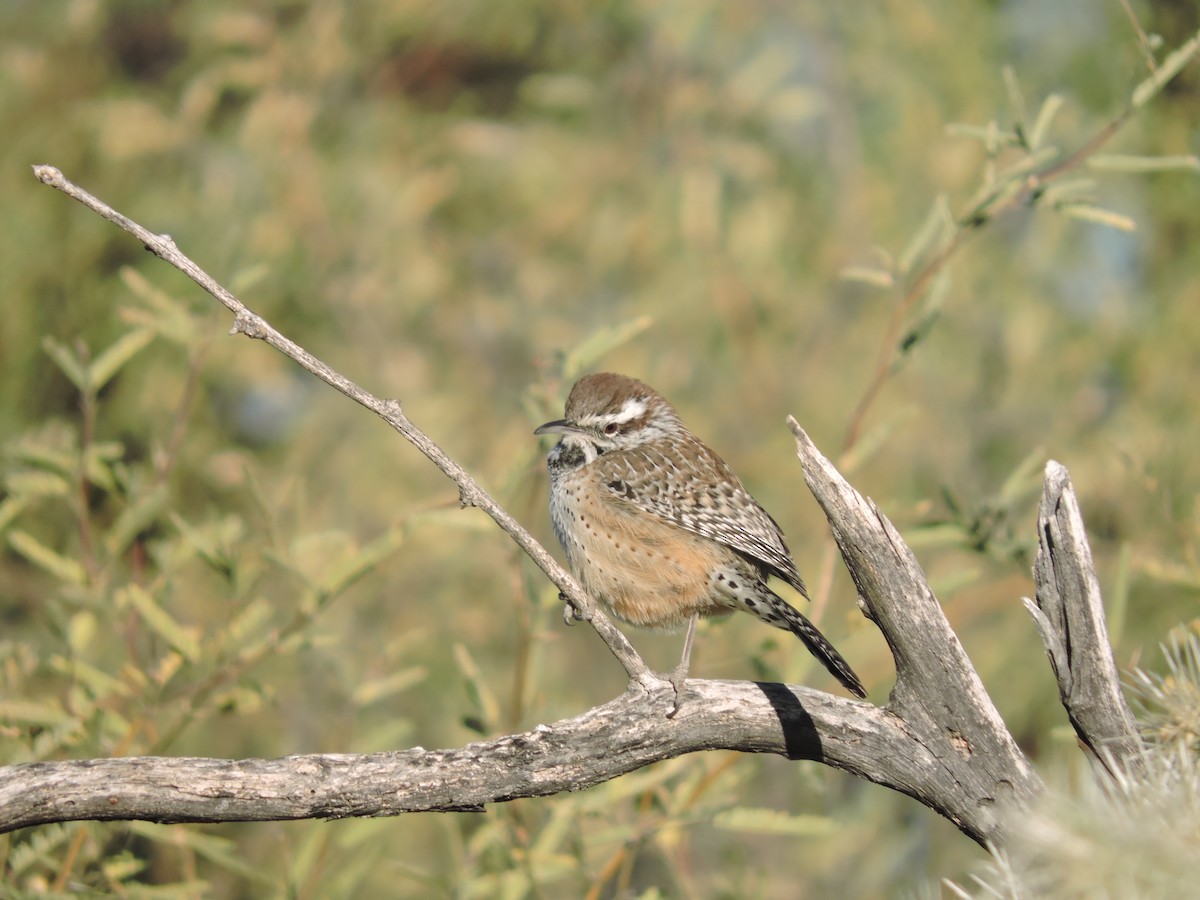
(630, 410)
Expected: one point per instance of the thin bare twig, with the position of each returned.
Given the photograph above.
(470, 493)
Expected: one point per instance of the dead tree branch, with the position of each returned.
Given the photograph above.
(1069, 614)
(470, 492)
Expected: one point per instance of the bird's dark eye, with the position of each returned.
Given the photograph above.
(611, 428)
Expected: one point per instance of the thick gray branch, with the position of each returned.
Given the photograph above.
(611, 740)
(1070, 617)
(938, 694)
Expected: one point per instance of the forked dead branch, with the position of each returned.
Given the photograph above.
(938, 738)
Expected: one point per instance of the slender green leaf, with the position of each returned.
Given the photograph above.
(1169, 572)
(1117, 597)
(29, 712)
(481, 692)
(866, 275)
(43, 557)
(394, 683)
(1050, 107)
(136, 518)
(10, 508)
(584, 355)
(1171, 66)
(43, 842)
(36, 484)
(67, 361)
(101, 685)
(1071, 190)
(123, 867)
(183, 638)
(930, 232)
(1016, 99)
(989, 134)
(773, 821)
(1119, 162)
(120, 352)
(1099, 216)
(362, 560)
(167, 316)
(225, 852)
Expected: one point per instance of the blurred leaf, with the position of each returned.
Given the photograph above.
(61, 567)
(248, 622)
(1077, 190)
(1168, 69)
(1169, 571)
(223, 851)
(772, 821)
(1117, 601)
(117, 356)
(584, 355)
(101, 685)
(362, 561)
(67, 361)
(873, 440)
(185, 639)
(939, 534)
(163, 314)
(1099, 216)
(11, 507)
(1050, 107)
(931, 232)
(478, 688)
(124, 866)
(1118, 162)
(96, 465)
(29, 712)
(877, 277)
(989, 135)
(166, 668)
(561, 92)
(1026, 479)
(136, 518)
(81, 629)
(212, 541)
(38, 849)
(1016, 100)
(1026, 164)
(370, 692)
(34, 484)
(945, 586)
(45, 451)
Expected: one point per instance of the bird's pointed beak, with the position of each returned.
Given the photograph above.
(558, 426)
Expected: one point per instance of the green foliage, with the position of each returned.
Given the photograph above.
(466, 205)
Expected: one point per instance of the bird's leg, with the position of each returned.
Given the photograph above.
(679, 673)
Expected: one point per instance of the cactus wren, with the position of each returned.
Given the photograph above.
(658, 528)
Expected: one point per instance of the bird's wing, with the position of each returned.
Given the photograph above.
(689, 485)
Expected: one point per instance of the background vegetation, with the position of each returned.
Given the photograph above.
(464, 205)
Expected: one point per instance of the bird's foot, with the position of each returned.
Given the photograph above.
(678, 679)
(571, 616)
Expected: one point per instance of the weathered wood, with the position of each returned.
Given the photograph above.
(938, 695)
(1069, 614)
(611, 740)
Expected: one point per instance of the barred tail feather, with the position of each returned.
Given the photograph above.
(783, 615)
